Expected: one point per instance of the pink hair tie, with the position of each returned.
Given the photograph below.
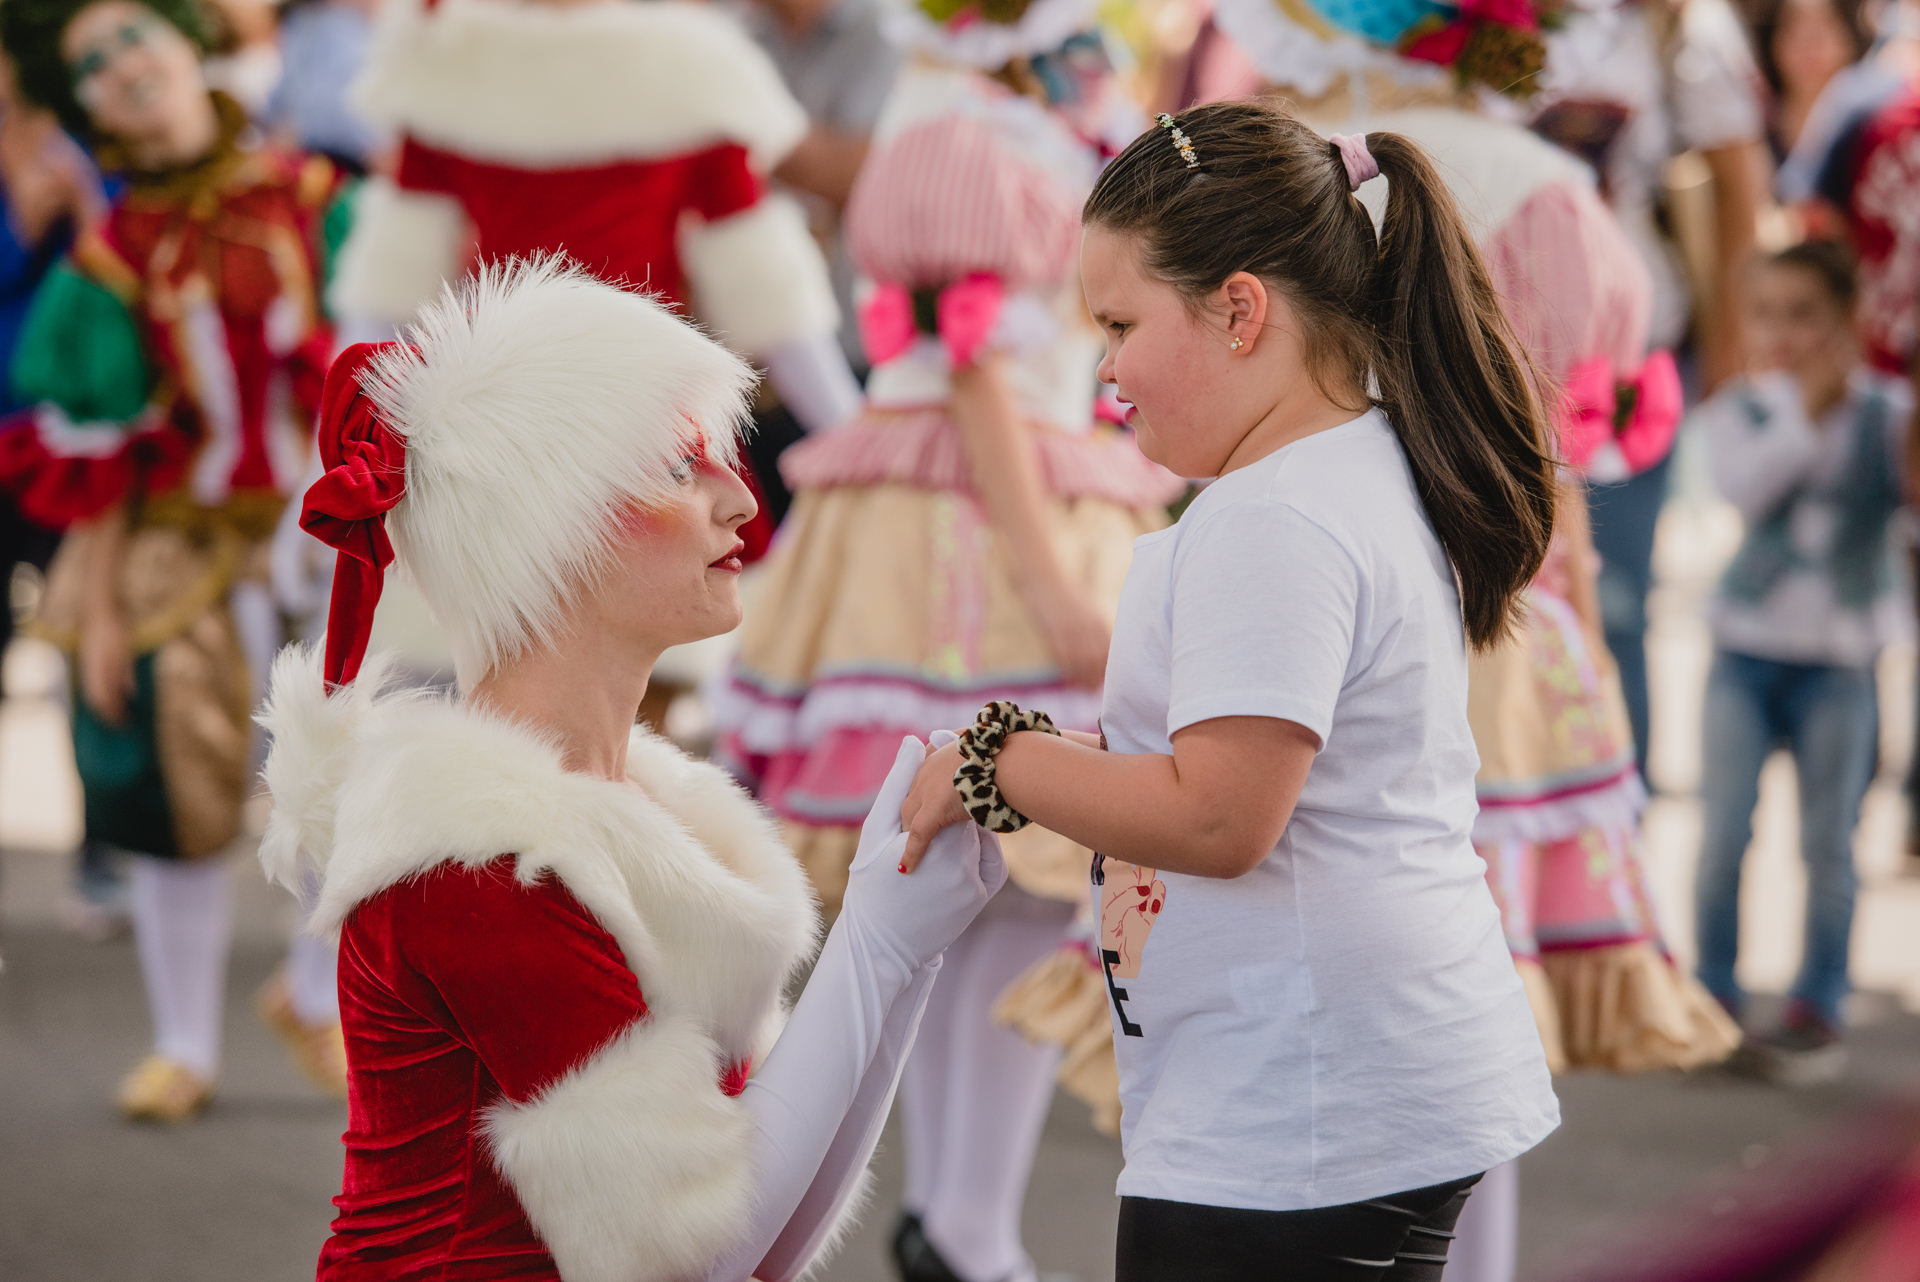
(1354, 155)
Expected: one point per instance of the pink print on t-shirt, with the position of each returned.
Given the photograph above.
(1130, 903)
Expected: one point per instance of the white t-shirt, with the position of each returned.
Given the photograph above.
(1344, 1021)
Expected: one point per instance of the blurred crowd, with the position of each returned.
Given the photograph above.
(1762, 158)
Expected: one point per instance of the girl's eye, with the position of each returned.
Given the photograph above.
(1117, 327)
(684, 469)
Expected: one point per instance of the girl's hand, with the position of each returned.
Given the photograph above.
(106, 666)
(1078, 636)
(932, 803)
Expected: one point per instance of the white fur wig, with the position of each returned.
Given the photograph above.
(537, 404)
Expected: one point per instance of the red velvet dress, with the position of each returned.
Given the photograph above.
(621, 219)
(459, 990)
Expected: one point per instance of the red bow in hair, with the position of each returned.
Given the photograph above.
(346, 509)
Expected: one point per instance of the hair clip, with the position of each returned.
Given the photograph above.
(1180, 139)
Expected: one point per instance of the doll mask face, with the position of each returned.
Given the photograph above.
(135, 73)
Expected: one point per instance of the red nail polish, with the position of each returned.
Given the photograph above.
(903, 865)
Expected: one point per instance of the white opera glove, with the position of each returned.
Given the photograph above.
(814, 381)
(917, 918)
(821, 1098)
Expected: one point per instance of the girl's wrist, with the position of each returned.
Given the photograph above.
(980, 746)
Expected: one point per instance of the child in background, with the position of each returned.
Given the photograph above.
(1808, 447)
(1322, 1041)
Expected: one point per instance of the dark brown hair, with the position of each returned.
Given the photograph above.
(1766, 17)
(1827, 262)
(30, 31)
(1413, 308)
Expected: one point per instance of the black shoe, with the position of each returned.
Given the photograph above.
(906, 1231)
(1750, 1060)
(914, 1257)
(1805, 1050)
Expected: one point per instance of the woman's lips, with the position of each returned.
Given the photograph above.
(731, 562)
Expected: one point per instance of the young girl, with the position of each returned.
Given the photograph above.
(1808, 449)
(1321, 1040)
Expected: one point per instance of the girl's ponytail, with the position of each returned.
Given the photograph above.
(1460, 392)
(1414, 308)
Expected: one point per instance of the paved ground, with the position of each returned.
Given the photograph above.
(242, 1195)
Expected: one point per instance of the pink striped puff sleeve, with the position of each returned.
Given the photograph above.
(945, 199)
(1573, 286)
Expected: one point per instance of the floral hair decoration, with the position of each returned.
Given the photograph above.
(1181, 142)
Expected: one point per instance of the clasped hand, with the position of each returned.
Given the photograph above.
(920, 916)
(932, 804)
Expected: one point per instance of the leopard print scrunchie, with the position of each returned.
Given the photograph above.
(980, 746)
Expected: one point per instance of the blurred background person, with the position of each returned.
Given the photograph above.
(323, 46)
(636, 135)
(171, 361)
(50, 190)
(1627, 88)
(243, 59)
(839, 61)
(1801, 47)
(1809, 447)
(1872, 180)
(1817, 168)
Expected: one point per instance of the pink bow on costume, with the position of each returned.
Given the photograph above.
(965, 315)
(1590, 416)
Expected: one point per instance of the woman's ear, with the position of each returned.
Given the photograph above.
(1244, 304)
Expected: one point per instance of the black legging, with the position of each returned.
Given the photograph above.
(1399, 1238)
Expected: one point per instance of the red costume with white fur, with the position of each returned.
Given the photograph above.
(635, 136)
(554, 985)
(550, 999)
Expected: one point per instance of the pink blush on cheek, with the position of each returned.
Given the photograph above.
(637, 522)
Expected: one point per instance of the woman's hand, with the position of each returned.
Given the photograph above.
(1077, 635)
(106, 666)
(932, 803)
(917, 919)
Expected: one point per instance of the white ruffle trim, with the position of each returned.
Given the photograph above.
(763, 724)
(1616, 806)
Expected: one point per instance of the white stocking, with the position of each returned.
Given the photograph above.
(976, 1094)
(1487, 1237)
(923, 1084)
(257, 629)
(183, 924)
(313, 982)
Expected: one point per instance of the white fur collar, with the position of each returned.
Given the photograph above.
(373, 786)
(549, 86)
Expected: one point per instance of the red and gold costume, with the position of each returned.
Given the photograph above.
(175, 362)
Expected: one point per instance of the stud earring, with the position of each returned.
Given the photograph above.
(1238, 342)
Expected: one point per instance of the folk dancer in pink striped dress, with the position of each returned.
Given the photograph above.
(964, 539)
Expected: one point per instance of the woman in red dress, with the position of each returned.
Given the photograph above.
(562, 942)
